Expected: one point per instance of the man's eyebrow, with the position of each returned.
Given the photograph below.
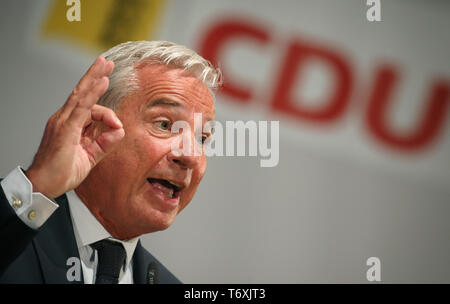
(170, 103)
(164, 102)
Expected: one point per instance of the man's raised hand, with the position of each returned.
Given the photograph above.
(68, 151)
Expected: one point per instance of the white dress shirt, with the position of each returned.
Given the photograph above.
(34, 209)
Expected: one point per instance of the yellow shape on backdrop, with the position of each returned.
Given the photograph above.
(104, 23)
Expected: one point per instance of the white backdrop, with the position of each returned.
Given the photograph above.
(339, 195)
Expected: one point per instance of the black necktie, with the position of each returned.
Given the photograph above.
(111, 256)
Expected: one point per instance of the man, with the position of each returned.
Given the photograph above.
(105, 172)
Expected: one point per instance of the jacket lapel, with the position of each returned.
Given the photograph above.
(140, 262)
(55, 244)
(148, 270)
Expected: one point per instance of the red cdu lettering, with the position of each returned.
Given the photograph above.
(222, 34)
(335, 106)
(426, 130)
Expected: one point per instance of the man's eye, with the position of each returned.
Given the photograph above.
(204, 139)
(164, 125)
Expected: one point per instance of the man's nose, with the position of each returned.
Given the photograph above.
(191, 153)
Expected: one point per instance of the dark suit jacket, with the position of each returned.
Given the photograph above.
(40, 256)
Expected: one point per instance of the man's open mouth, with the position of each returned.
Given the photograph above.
(171, 189)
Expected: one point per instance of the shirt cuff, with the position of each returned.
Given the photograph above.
(33, 208)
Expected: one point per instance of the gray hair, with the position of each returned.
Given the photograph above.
(128, 55)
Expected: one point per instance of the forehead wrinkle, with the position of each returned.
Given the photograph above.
(165, 102)
(175, 98)
(176, 87)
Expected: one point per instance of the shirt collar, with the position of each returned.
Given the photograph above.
(89, 230)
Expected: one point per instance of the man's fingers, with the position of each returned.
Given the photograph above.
(94, 94)
(89, 80)
(99, 69)
(82, 110)
(106, 115)
(103, 134)
(96, 73)
(109, 67)
(108, 139)
(104, 143)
